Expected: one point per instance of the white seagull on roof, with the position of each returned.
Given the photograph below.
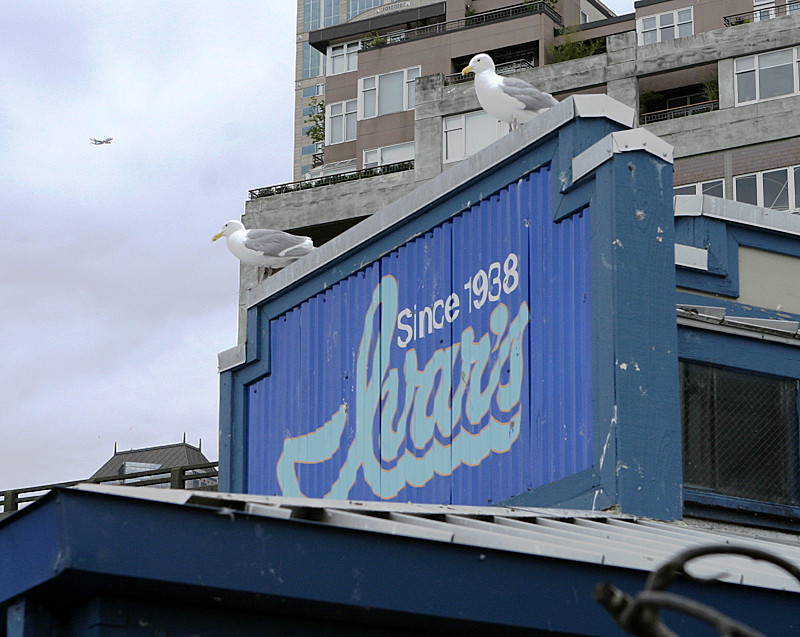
(271, 249)
(507, 98)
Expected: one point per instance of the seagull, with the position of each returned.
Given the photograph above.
(270, 249)
(507, 98)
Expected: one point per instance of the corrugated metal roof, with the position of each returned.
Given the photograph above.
(165, 456)
(593, 537)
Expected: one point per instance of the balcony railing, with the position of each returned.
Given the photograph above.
(506, 68)
(681, 111)
(476, 20)
(332, 179)
(174, 478)
(790, 8)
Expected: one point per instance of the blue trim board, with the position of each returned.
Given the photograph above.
(76, 559)
(722, 240)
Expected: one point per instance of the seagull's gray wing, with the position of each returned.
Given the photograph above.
(274, 243)
(531, 97)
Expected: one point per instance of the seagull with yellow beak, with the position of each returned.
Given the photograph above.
(509, 99)
(271, 249)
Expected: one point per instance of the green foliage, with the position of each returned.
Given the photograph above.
(649, 99)
(572, 49)
(469, 10)
(374, 39)
(317, 120)
(711, 90)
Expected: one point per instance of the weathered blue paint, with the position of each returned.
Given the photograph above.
(440, 388)
(361, 409)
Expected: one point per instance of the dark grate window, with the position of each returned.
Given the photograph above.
(740, 433)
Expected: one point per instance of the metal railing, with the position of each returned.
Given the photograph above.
(476, 20)
(174, 478)
(681, 111)
(506, 68)
(365, 173)
(790, 8)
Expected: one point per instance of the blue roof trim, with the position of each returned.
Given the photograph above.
(72, 546)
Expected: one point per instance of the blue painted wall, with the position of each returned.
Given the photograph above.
(423, 378)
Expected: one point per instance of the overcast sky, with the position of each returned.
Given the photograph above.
(114, 302)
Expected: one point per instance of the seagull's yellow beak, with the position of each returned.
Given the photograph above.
(466, 69)
(216, 236)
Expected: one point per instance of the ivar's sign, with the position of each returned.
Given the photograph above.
(416, 419)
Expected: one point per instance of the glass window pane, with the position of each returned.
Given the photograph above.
(685, 190)
(337, 64)
(745, 64)
(685, 29)
(746, 191)
(667, 33)
(412, 73)
(454, 122)
(777, 80)
(746, 87)
(336, 130)
(336, 109)
(350, 126)
(648, 23)
(369, 82)
(480, 131)
(666, 19)
(685, 15)
(398, 152)
(797, 188)
(370, 158)
(454, 145)
(649, 37)
(714, 188)
(390, 93)
(776, 189)
(776, 58)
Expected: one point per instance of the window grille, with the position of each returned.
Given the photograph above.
(740, 433)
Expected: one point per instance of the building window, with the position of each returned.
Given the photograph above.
(768, 75)
(313, 61)
(314, 91)
(778, 189)
(763, 9)
(388, 93)
(665, 26)
(466, 134)
(354, 7)
(388, 155)
(340, 122)
(714, 188)
(740, 433)
(584, 17)
(343, 58)
(320, 13)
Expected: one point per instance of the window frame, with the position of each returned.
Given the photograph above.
(347, 54)
(792, 187)
(340, 120)
(750, 354)
(659, 28)
(371, 85)
(756, 70)
(380, 151)
(699, 187)
(460, 119)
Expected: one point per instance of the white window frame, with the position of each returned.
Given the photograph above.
(458, 123)
(374, 157)
(700, 186)
(336, 118)
(346, 50)
(756, 68)
(791, 195)
(763, 10)
(369, 92)
(662, 22)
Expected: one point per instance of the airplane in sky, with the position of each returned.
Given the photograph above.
(97, 142)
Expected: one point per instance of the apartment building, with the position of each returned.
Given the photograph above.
(718, 79)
